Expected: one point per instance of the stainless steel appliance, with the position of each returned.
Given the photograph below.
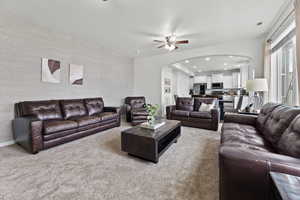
(217, 85)
(200, 88)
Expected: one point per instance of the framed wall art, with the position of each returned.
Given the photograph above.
(50, 70)
(76, 74)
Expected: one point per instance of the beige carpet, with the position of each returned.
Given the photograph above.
(94, 168)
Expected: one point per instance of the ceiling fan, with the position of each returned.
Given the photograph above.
(170, 42)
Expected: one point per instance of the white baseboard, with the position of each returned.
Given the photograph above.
(7, 143)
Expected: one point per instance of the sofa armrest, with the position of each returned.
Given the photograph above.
(215, 113)
(112, 109)
(27, 132)
(128, 112)
(240, 119)
(169, 110)
(238, 171)
(115, 110)
(240, 167)
(128, 107)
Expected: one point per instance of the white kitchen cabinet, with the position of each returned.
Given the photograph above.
(236, 82)
(217, 78)
(200, 79)
(227, 81)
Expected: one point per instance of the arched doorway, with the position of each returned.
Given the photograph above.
(229, 71)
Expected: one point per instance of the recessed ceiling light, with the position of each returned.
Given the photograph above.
(230, 56)
(259, 23)
(194, 67)
(207, 59)
(187, 61)
(225, 64)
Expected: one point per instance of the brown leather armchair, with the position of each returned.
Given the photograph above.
(136, 111)
(40, 125)
(186, 110)
(252, 146)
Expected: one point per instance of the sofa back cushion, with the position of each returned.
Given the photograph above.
(264, 114)
(73, 108)
(279, 120)
(43, 110)
(185, 103)
(135, 102)
(198, 101)
(94, 105)
(289, 143)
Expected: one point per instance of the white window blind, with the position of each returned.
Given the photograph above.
(283, 83)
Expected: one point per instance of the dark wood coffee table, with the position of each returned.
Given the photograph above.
(285, 186)
(148, 144)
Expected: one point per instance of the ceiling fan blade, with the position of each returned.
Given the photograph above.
(182, 42)
(159, 41)
(161, 46)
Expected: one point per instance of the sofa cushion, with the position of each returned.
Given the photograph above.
(243, 134)
(278, 122)
(56, 135)
(87, 120)
(140, 112)
(264, 114)
(198, 101)
(185, 103)
(203, 115)
(108, 116)
(53, 126)
(289, 143)
(73, 108)
(248, 147)
(43, 110)
(94, 105)
(139, 117)
(181, 113)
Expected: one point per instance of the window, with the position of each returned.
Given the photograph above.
(283, 84)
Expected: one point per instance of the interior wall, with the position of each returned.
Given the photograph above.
(150, 86)
(23, 45)
(183, 84)
(180, 85)
(168, 98)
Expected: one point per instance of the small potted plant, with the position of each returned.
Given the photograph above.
(152, 110)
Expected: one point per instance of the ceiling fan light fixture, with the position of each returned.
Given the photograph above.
(172, 38)
(170, 42)
(170, 47)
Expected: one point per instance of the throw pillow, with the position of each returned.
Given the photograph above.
(206, 107)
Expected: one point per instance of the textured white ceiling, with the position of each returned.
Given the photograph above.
(212, 63)
(128, 26)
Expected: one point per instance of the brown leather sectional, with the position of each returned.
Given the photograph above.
(136, 111)
(186, 110)
(252, 146)
(40, 125)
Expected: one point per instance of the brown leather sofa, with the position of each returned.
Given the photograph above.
(40, 125)
(136, 112)
(252, 146)
(186, 110)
